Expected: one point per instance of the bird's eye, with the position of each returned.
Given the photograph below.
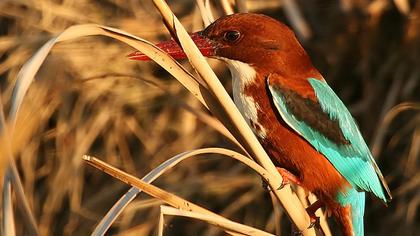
(232, 36)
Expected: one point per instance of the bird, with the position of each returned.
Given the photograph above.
(302, 124)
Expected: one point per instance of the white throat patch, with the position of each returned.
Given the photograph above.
(242, 75)
(241, 71)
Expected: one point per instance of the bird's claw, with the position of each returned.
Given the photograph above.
(284, 182)
(315, 221)
(287, 178)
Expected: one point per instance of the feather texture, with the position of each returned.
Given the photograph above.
(353, 161)
(356, 200)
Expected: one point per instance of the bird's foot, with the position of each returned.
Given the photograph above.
(287, 177)
(314, 220)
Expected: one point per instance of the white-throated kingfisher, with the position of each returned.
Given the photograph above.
(301, 123)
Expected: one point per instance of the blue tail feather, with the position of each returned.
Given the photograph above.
(356, 200)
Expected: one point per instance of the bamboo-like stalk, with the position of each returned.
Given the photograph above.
(227, 7)
(174, 200)
(28, 71)
(235, 120)
(322, 217)
(205, 11)
(231, 227)
(296, 19)
(26, 212)
(403, 6)
(119, 206)
(276, 214)
(208, 8)
(12, 179)
(8, 226)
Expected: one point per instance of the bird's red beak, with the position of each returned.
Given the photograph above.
(205, 45)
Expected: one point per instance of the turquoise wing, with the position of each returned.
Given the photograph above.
(329, 127)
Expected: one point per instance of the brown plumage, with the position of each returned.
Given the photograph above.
(264, 54)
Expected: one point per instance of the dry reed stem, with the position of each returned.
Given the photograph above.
(30, 68)
(227, 7)
(229, 226)
(386, 122)
(5, 145)
(413, 154)
(345, 49)
(169, 198)
(247, 198)
(120, 205)
(26, 212)
(12, 179)
(308, 198)
(276, 213)
(207, 5)
(403, 6)
(322, 216)
(235, 120)
(205, 11)
(296, 19)
(214, 123)
(8, 228)
(204, 117)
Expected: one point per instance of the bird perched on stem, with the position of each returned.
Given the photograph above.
(301, 123)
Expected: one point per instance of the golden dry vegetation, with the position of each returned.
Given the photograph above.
(88, 98)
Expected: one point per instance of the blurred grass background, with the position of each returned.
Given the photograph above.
(89, 98)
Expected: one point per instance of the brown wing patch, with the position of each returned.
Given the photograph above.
(309, 111)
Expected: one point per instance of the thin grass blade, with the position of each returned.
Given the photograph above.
(8, 216)
(225, 224)
(152, 190)
(119, 206)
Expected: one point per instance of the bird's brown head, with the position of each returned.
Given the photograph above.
(254, 39)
